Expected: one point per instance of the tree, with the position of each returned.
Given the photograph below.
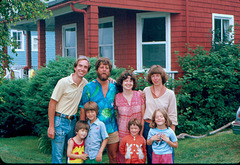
(12, 11)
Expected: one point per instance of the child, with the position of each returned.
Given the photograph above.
(75, 150)
(97, 136)
(133, 146)
(161, 137)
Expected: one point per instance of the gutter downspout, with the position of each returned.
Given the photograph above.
(85, 25)
(187, 22)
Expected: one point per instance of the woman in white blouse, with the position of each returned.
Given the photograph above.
(157, 96)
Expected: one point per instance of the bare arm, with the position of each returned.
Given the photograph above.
(142, 122)
(172, 127)
(74, 156)
(82, 114)
(51, 114)
(100, 152)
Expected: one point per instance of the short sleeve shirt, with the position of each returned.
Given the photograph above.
(161, 148)
(68, 95)
(93, 92)
(96, 134)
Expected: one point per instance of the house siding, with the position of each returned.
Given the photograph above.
(20, 60)
(65, 20)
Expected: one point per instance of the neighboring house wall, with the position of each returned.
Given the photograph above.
(20, 60)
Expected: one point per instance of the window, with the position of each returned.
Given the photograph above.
(153, 40)
(106, 38)
(19, 38)
(34, 43)
(69, 40)
(222, 29)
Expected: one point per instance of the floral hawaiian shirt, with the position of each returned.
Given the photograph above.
(107, 114)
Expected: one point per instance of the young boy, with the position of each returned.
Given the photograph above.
(75, 150)
(133, 146)
(97, 136)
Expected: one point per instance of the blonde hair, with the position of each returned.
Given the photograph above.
(168, 121)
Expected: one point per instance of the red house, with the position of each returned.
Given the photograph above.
(135, 33)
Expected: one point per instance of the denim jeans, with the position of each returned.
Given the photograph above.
(64, 130)
(148, 147)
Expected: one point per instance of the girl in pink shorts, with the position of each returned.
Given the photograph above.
(161, 137)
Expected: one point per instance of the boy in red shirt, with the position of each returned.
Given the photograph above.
(75, 150)
(133, 146)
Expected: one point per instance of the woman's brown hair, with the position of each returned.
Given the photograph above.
(157, 69)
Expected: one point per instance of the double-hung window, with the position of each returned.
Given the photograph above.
(153, 40)
(222, 27)
(69, 42)
(106, 38)
(19, 38)
(34, 43)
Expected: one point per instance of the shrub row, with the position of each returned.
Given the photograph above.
(208, 98)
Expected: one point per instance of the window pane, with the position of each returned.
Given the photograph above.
(19, 45)
(14, 35)
(225, 30)
(154, 55)
(106, 51)
(154, 29)
(70, 37)
(19, 36)
(105, 33)
(70, 52)
(217, 30)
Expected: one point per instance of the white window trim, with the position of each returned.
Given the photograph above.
(33, 38)
(74, 25)
(139, 18)
(105, 20)
(22, 49)
(225, 16)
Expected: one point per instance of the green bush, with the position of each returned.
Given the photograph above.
(210, 89)
(12, 118)
(39, 90)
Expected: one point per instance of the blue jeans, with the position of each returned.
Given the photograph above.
(148, 147)
(64, 130)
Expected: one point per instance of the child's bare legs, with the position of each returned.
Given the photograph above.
(112, 152)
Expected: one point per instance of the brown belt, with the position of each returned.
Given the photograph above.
(148, 120)
(64, 116)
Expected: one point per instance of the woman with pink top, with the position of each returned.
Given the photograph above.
(158, 96)
(129, 104)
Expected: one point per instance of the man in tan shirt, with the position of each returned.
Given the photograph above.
(63, 107)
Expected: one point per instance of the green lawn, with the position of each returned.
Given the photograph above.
(218, 148)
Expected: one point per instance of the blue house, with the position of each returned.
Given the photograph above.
(20, 60)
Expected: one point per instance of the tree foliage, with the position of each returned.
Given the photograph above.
(12, 11)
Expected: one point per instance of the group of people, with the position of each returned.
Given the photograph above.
(132, 125)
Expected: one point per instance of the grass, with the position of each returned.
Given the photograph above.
(219, 148)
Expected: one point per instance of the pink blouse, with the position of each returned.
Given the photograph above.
(128, 111)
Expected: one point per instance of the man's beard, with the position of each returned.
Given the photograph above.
(103, 78)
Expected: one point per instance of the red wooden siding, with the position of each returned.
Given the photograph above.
(65, 20)
(190, 23)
